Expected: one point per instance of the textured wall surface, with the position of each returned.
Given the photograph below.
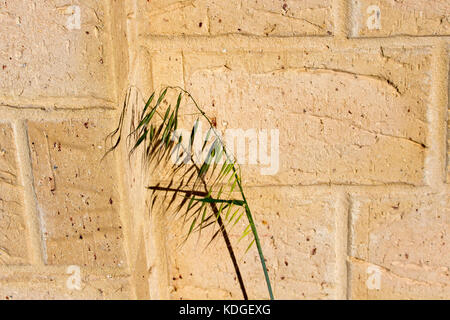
(358, 89)
(60, 204)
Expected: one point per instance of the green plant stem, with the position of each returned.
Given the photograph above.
(258, 244)
(213, 202)
(246, 206)
(225, 237)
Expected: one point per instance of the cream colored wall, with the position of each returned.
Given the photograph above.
(361, 107)
(60, 205)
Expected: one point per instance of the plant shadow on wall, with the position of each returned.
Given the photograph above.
(197, 178)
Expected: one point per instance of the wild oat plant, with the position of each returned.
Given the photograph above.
(210, 183)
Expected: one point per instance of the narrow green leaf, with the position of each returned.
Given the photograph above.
(152, 133)
(203, 218)
(233, 215)
(161, 97)
(237, 220)
(139, 141)
(146, 120)
(191, 227)
(233, 186)
(206, 138)
(246, 232)
(250, 245)
(167, 130)
(166, 115)
(191, 202)
(148, 104)
(228, 211)
(176, 111)
(193, 132)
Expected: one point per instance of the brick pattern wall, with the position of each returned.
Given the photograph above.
(59, 203)
(358, 89)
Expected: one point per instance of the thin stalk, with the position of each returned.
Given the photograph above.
(247, 208)
(220, 223)
(225, 237)
(165, 141)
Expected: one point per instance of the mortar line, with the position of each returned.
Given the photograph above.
(123, 204)
(341, 18)
(36, 244)
(109, 17)
(349, 240)
(133, 78)
(235, 42)
(9, 113)
(125, 210)
(394, 187)
(61, 269)
(341, 244)
(49, 102)
(435, 170)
